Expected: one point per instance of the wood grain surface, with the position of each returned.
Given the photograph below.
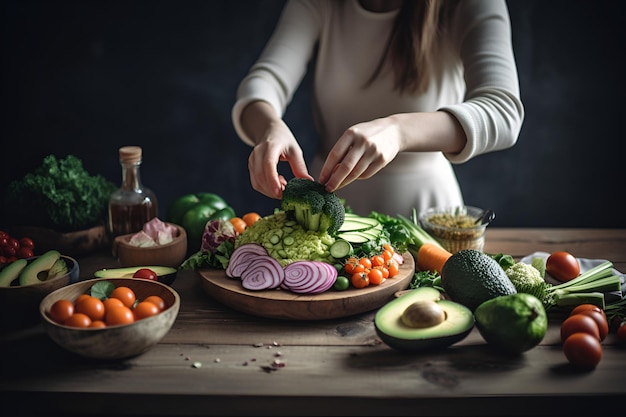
(283, 304)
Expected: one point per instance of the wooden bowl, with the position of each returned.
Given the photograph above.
(19, 303)
(80, 242)
(113, 342)
(171, 254)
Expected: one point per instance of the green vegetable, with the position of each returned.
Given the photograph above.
(314, 208)
(398, 234)
(588, 287)
(193, 211)
(286, 241)
(426, 279)
(505, 260)
(59, 194)
(417, 235)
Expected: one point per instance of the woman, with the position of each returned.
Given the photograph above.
(402, 90)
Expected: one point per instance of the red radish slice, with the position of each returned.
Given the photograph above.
(241, 258)
(263, 273)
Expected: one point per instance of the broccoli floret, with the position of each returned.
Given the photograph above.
(314, 208)
(527, 279)
(286, 241)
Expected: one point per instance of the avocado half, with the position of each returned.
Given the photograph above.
(390, 327)
(165, 274)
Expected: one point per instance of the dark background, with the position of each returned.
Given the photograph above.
(86, 77)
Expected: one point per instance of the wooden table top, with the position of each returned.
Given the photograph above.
(217, 361)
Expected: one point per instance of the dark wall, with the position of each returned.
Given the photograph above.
(85, 78)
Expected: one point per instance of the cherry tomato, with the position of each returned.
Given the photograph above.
(125, 295)
(97, 324)
(601, 321)
(119, 315)
(583, 307)
(350, 264)
(239, 224)
(78, 320)
(366, 262)
(251, 218)
(377, 260)
(360, 280)
(375, 276)
(393, 268)
(27, 242)
(61, 310)
(111, 303)
(93, 307)
(579, 323)
(562, 266)
(24, 252)
(582, 350)
(145, 309)
(157, 301)
(384, 270)
(146, 273)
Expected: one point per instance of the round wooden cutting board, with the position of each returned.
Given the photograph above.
(283, 304)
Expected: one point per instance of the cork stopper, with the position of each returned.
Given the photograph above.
(130, 154)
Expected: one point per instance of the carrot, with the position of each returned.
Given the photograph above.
(431, 257)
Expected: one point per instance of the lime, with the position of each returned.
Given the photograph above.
(514, 323)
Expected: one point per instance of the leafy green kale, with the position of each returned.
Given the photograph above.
(59, 194)
(312, 206)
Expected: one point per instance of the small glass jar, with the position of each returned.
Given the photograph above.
(133, 204)
(455, 227)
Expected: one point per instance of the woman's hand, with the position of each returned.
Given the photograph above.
(362, 151)
(276, 144)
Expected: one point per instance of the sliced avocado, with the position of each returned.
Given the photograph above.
(37, 270)
(10, 272)
(398, 331)
(166, 274)
(471, 277)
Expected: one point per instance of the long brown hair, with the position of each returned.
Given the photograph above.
(413, 42)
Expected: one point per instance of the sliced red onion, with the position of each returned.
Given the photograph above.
(309, 277)
(241, 258)
(262, 273)
(398, 258)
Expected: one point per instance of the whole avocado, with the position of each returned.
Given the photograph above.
(471, 277)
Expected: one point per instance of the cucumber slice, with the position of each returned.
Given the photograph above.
(354, 223)
(341, 249)
(355, 238)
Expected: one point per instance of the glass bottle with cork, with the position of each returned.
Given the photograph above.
(132, 205)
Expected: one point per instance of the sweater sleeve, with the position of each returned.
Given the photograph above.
(283, 63)
(492, 112)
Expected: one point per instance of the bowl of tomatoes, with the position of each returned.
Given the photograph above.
(110, 318)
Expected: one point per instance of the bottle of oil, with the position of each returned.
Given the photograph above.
(132, 205)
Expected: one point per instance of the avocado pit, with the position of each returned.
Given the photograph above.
(422, 314)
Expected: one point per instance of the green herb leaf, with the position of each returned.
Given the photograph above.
(102, 289)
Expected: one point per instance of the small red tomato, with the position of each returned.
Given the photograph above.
(582, 350)
(601, 321)
(27, 242)
(562, 266)
(146, 273)
(579, 323)
(24, 252)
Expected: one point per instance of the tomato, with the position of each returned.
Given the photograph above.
(78, 320)
(251, 218)
(601, 321)
(360, 280)
(61, 310)
(146, 273)
(145, 309)
(119, 315)
(350, 264)
(239, 224)
(157, 301)
(341, 283)
(375, 276)
(562, 266)
(90, 306)
(26, 242)
(111, 303)
(377, 260)
(579, 323)
(97, 324)
(582, 350)
(393, 268)
(24, 252)
(125, 295)
(584, 307)
(366, 262)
